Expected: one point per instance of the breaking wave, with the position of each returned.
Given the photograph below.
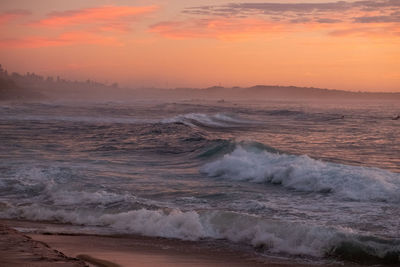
(267, 235)
(49, 197)
(305, 174)
(57, 186)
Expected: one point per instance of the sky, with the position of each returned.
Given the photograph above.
(349, 45)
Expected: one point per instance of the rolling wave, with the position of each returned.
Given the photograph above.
(266, 235)
(209, 120)
(49, 195)
(189, 119)
(305, 174)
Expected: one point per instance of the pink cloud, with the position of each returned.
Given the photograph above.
(242, 28)
(93, 26)
(217, 28)
(110, 18)
(11, 15)
(238, 20)
(372, 30)
(65, 39)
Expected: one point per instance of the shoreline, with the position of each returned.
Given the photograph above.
(133, 250)
(17, 249)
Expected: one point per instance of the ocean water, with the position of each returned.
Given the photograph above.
(309, 180)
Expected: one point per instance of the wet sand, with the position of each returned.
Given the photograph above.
(17, 249)
(143, 251)
(130, 250)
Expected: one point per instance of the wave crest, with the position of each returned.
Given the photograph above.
(267, 235)
(209, 120)
(305, 174)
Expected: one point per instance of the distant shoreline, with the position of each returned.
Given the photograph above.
(17, 87)
(20, 93)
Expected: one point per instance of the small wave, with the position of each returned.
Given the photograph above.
(56, 186)
(221, 147)
(50, 196)
(305, 174)
(214, 120)
(285, 112)
(78, 119)
(271, 236)
(189, 119)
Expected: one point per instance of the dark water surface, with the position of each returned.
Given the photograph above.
(310, 180)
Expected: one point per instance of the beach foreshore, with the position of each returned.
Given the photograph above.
(17, 249)
(65, 249)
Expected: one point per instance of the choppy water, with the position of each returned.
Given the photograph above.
(287, 178)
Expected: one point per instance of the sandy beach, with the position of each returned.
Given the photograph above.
(49, 249)
(17, 249)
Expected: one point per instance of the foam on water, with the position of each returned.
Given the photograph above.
(55, 186)
(305, 174)
(50, 196)
(272, 236)
(139, 173)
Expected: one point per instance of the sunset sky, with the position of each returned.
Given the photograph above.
(351, 45)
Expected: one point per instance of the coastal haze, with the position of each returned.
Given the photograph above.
(345, 45)
(33, 87)
(209, 133)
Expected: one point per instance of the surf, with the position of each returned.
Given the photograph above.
(256, 164)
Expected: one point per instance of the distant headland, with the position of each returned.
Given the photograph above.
(33, 87)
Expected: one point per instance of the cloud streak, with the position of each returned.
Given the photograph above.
(282, 11)
(104, 25)
(109, 18)
(217, 28)
(334, 18)
(378, 19)
(8, 16)
(64, 39)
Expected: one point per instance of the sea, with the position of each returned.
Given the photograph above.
(300, 180)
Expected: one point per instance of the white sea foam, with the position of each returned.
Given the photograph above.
(53, 185)
(272, 235)
(53, 201)
(171, 223)
(303, 173)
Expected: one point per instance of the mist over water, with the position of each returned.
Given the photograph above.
(288, 178)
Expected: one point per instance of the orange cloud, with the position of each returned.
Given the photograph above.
(65, 39)
(370, 30)
(364, 11)
(107, 17)
(220, 28)
(243, 28)
(94, 26)
(377, 19)
(8, 16)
